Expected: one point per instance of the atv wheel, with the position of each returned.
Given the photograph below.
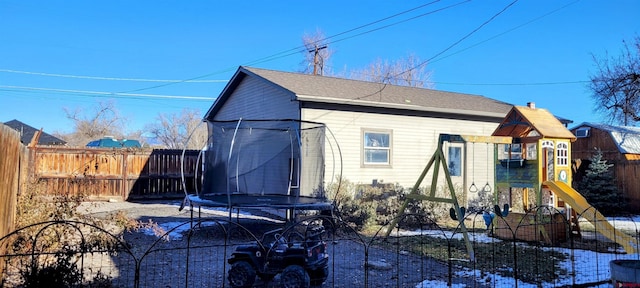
(294, 276)
(242, 275)
(318, 276)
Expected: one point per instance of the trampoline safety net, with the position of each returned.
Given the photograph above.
(265, 163)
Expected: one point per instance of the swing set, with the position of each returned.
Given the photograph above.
(438, 160)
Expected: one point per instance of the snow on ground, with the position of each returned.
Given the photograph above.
(590, 267)
(177, 229)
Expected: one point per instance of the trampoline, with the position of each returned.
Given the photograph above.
(276, 164)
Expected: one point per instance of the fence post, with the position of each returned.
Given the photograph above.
(125, 183)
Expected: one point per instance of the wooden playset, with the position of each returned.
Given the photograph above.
(532, 170)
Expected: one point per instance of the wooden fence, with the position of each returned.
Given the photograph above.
(13, 158)
(122, 174)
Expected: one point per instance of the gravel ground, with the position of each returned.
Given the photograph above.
(164, 263)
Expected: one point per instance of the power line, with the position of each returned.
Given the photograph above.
(489, 39)
(399, 22)
(279, 55)
(443, 51)
(464, 37)
(384, 19)
(108, 94)
(302, 48)
(107, 78)
(505, 32)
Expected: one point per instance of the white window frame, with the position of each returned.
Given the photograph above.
(456, 160)
(547, 144)
(365, 147)
(562, 154)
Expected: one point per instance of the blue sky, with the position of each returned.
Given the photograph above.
(538, 51)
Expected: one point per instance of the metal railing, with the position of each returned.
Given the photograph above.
(540, 248)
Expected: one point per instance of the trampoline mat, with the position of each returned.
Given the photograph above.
(260, 201)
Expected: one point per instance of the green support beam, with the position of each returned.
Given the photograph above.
(438, 160)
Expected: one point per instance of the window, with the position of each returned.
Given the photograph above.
(583, 132)
(377, 147)
(547, 144)
(562, 154)
(516, 151)
(455, 161)
(510, 151)
(532, 151)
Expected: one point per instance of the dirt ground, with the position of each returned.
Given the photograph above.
(386, 267)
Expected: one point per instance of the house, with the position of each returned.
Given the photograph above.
(27, 132)
(386, 133)
(620, 146)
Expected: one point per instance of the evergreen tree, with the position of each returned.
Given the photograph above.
(598, 186)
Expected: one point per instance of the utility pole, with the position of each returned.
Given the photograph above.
(316, 51)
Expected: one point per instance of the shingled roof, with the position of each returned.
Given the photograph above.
(324, 89)
(27, 132)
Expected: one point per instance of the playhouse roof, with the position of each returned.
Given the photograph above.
(522, 120)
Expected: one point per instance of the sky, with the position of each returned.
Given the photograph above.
(160, 57)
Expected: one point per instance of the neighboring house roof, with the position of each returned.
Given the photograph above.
(524, 120)
(27, 132)
(627, 138)
(324, 89)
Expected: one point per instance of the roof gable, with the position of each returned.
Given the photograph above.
(521, 121)
(323, 89)
(626, 138)
(27, 132)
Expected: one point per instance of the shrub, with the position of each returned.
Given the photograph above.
(63, 272)
(53, 246)
(373, 205)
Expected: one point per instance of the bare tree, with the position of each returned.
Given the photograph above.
(317, 53)
(178, 131)
(408, 71)
(616, 85)
(104, 120)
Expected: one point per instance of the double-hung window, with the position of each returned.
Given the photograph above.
(376, 149)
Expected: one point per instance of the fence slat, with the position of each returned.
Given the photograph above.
(108, 173)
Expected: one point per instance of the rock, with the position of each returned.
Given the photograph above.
(379, 264)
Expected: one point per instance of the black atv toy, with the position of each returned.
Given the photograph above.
(299, 258)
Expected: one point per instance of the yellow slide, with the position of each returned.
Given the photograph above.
(579, 204)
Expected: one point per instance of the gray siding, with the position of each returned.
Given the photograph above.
(255, 98)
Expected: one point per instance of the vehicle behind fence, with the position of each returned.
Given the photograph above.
(196, 253)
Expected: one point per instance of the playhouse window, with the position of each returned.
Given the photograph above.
(510, 151)
(562, 154)
(377, 147)
(531, 149)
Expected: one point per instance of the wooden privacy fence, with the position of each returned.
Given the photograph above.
(13, 156)
(114, 173)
